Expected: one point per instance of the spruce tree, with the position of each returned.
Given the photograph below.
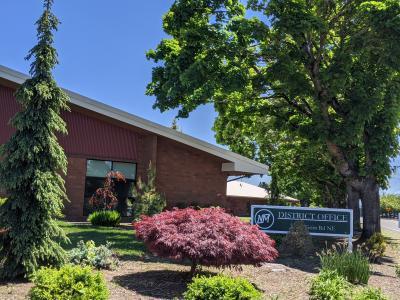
(32, 165)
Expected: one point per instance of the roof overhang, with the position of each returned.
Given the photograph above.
(236, 163)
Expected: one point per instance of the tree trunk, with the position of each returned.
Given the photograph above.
(353, 198)
(371, 207)
(193, 268)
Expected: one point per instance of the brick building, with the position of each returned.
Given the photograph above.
(101, 138)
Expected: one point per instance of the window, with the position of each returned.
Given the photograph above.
(96, 173)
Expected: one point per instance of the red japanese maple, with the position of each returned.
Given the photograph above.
(208, 237)
(104, 198)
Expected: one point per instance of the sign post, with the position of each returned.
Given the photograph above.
(332, 222)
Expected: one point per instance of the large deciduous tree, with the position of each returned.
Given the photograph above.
(33, 160)
(297, 167)
(324, 71)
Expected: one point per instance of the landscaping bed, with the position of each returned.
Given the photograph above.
(142, 276)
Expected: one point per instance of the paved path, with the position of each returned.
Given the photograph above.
(390, 224)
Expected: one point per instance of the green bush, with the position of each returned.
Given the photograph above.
(369, 294)
(87, 254)
(390, 204)
(354, 266)
(2, 201)
(148, 201)
(297, 242)
(69, 282)
(221, 287)
(375, 246)
(329, 285)
(109, 218)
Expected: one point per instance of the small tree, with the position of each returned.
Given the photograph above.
(298, 241)
(32, 163)
(208, 237)
(104, 198)
(147, 200)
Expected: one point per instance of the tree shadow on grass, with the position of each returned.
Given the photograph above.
(161, 284)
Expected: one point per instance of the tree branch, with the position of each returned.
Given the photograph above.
(293, 103)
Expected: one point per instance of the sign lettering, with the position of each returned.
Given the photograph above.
(319, 221)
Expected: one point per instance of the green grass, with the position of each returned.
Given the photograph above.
(124, 242)
(245, 219)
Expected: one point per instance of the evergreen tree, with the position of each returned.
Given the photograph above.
(148, 201)
(33, 161)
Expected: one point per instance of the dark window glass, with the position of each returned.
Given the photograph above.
(96, 173)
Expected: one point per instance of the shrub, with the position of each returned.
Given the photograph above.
(2, 230)
(369, 294)
(104, 198)
(69, 282)
(109, 218)
(221, 287)
(397, 270)
(329, 285)
(390, 205)
(375, 246)
(147, 200)
(297, 242)
(207, 237)
(277, 238)
(87, 254)
(353, 266)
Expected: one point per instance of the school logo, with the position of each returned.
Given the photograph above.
(264, 218)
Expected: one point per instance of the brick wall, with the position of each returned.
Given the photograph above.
(240, 206)
(187, 175)
(75, 185)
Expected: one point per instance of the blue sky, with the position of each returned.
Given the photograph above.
(101, 46)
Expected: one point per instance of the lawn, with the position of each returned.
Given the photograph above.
(124, 242)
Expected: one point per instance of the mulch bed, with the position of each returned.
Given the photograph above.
(159, 279)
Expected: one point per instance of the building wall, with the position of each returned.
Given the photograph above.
(189, 176)
(240, 206)
(75, 185)
(88, 135)
(185, 175)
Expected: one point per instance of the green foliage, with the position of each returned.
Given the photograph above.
(390, 204)
(297, 242)
(32, 163)
(369, 294)
(87, 254)
(69, 282)
(397, 270)
(147, 200)
(109, 218)
(375, 246)
(2, 202)
(321, 78)
(329, 285)
(353, 266)
(221, 287)
(278, 238)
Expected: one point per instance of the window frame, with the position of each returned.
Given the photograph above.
(134, 181)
